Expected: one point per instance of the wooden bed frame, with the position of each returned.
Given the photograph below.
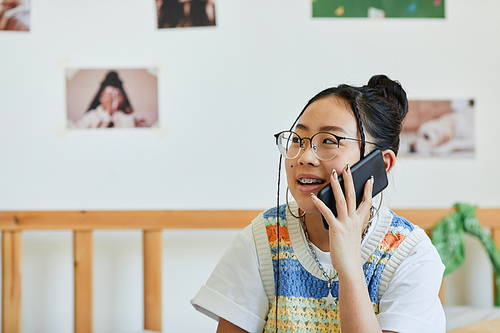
(152, 223)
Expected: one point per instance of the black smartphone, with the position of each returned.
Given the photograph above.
(371, 165)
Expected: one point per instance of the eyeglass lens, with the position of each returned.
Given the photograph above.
(324, 145)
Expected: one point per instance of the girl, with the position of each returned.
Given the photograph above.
(110, 107)
(371, 271)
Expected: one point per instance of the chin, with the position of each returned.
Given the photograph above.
(307, 206)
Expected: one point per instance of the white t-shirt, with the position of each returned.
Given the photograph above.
(100, 118)
(410, 304)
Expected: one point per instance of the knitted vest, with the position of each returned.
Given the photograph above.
(301, 284)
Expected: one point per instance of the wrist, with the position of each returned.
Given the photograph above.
(350, 271)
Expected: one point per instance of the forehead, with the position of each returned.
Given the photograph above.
(111, 89)
(330, 111)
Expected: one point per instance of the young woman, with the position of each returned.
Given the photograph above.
(110, 107)
(371, 271)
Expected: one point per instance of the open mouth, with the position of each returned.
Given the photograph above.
(310, 181)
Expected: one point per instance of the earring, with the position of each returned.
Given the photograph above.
(374, 211)
(288, 207)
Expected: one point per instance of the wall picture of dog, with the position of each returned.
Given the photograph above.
(439, 129)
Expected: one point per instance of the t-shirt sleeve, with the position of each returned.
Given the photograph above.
(235, 291)
(411, 303)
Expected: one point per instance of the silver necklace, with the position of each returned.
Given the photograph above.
(330, 299)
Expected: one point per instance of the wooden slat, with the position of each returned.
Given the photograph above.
(495, 233)
(427, 218)
(442, 289)
(180, 219)
(83, 222)
(82, 253)
(146, 220)
(11, 281)
(152, 245)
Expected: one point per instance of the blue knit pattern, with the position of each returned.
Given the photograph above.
(377, 261)
(271, 213)
(299, 293)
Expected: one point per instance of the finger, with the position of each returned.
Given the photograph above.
(323, 209)
(366, 204)
(338, 194)
(350, 192)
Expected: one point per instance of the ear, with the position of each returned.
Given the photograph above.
(389, 159)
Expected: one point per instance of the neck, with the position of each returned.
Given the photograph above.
(318, 235)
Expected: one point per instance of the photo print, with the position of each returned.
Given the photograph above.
(379, 8)
(439, 129)
(15, 15)
(185, 13)
(103, 98)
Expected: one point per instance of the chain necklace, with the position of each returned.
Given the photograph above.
(330, 299)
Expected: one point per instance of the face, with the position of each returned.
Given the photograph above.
(328, 114)
(111, 99)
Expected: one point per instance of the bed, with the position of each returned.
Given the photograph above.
(152, 223)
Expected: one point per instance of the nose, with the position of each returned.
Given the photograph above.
(413, 147)
(307, 156)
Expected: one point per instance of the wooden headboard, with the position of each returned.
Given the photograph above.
(151, 222)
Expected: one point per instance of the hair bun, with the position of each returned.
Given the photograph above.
(392, 91)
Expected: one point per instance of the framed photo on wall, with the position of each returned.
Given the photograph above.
(439, 129)
(15, 15)
(185, 13)
(379, 8)
(111, 98)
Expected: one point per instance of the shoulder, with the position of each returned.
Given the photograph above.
(395, 233)
(235, 290)
(93, 118)
(266, 222)
(401, 223)
(274, 212)
(257, 231)
(405, 231)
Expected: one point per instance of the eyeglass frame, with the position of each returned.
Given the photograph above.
(302, 144)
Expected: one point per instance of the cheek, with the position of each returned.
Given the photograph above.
(289, 169)
(103, 99)
(339, 162)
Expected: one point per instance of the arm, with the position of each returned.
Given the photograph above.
(227, 327)
(356, 311)
(234, 291)
(356, 314)
(410, 302)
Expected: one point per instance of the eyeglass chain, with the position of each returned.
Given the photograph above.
(330, 299)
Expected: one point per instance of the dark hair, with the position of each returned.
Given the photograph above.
(379, 107)
(198, 13)
(170, 13)
(113, 80)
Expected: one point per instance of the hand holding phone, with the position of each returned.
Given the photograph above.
(372, 165)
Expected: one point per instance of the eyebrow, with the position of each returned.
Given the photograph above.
(323, 128)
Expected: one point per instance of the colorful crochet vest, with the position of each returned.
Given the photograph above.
(301, 285)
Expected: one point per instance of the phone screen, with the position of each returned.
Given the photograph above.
(372, 165)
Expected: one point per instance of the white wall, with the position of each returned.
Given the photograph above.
(229, 88)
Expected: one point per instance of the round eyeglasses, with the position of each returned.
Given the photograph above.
(324, 145)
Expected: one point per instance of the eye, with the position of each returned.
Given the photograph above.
(330, 141)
